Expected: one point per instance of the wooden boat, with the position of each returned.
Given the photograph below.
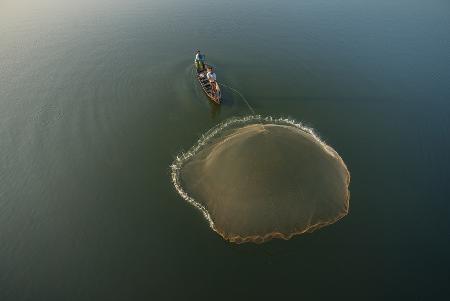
(204, 83)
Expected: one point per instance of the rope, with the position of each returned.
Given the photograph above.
(232, 89)
(242, 96)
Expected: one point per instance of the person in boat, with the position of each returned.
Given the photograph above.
(212, 78)
(199, 61)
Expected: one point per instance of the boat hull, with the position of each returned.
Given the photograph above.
(206, 87)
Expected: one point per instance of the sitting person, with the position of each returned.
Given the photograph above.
(199, 61)
(212, 78)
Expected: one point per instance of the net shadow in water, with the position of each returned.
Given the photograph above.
(256, 178)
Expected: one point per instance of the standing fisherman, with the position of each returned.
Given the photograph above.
(199, 61)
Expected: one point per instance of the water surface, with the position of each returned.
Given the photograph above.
(97, 97)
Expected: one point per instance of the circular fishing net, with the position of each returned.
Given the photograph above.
(257, 178)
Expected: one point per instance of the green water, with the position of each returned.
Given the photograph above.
(97, 98)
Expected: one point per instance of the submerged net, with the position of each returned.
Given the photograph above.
(257, 178)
